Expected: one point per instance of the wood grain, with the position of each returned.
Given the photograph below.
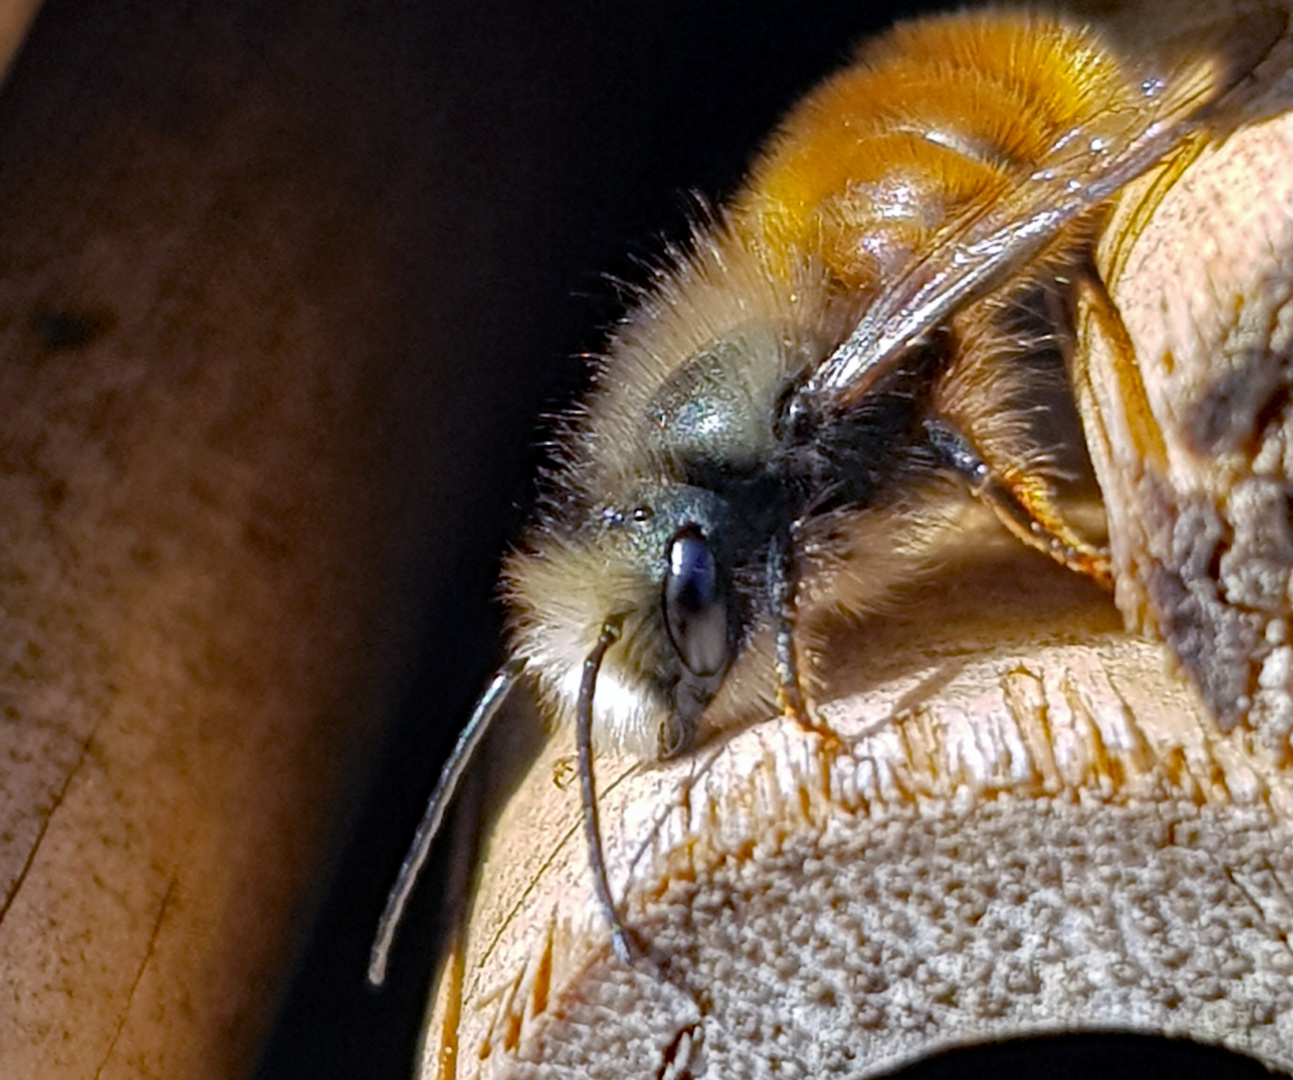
(231, 359)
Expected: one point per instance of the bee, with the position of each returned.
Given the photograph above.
(790, 423)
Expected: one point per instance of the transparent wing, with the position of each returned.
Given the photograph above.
(980, 250)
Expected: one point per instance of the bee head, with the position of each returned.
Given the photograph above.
(666, 499)
(661, 564)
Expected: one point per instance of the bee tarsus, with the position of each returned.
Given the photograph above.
(781, 607)
(1025, 508)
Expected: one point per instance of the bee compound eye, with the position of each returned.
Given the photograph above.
(695, 611)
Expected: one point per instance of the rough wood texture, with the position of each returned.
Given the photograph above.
(234, 399)
(1033, 826)
(1198, 478)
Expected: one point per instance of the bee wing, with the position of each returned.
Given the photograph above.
(976, 255)
(980, 250)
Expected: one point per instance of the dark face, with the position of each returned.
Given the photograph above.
(676, 534)
(665, 518)
(696, 545)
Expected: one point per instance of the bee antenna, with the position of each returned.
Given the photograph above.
(587, 791)
(487, 706)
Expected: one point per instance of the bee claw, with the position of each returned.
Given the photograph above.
(809, 726)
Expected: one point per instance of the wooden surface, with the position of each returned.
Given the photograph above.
(1034, 826)
(235, 269)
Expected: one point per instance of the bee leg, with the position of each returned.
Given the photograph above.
(1023, 504)
(781, 603)
(675, 736)
(1131, 395)
(620, 939)
(782, 581)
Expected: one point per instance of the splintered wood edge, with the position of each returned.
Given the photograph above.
(1122, 864)
(1065, 761)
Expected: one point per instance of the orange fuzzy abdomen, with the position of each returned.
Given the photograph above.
(935, 119)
